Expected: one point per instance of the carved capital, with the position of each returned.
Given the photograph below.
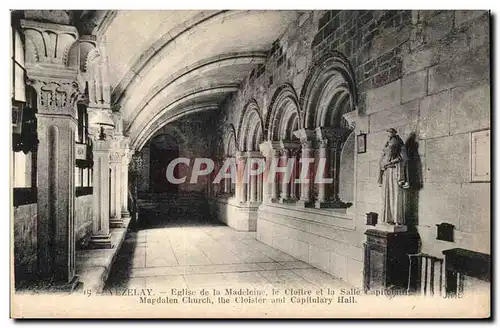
(50, 44)
(304, 135)
(57, 97)
(306, 145)
(116, 156)
(334, 137)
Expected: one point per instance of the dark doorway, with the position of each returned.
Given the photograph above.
(163, 149)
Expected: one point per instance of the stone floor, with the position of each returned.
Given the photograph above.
(201, 253)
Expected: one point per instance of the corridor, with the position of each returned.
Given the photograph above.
(197, 254)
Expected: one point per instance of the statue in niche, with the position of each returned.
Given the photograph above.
(393, 178)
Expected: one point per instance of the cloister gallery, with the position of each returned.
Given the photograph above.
(103, 101)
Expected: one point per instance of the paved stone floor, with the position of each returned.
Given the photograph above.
(199, 253)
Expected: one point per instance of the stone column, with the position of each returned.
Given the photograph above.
(124, 179)
(227, 186)
(260, 186)
(240, 182)
(332, 138)
(285, 183)
(57, 91)
(305, 188)
(56, 126)
(101, 237)
(115, 163)
(322, 187)
(253, 180)
(293, 184)
(306, 138)
(275, 155)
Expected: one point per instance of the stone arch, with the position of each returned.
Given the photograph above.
(250, 127)
(284, 114)
(173, 131)
(329, 91)
(229, 141)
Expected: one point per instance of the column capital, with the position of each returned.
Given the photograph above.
(115, 156)
(289, 144)
(240, 155)
(306, 144)
(55, 96)
(253, 154)
(304, 135)
(100, 145)
(267, 147)
(333, 136)
(50, 45)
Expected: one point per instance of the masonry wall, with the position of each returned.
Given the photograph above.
(424, 73)
(25, 241)
(83, 219)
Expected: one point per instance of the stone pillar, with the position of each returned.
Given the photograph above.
(101, 238)
(260, 186)
(275, 155)
(306, 138)
(334, 138)
(57, 91)
(285, 183)
(227, 186)
(293, 184)
(241, 194)
(305, 188)
(253, 180)
(322, 187)
(56, 126)
(124, 179)
(115, 163)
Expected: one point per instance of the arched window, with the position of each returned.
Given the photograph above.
(282, 121)
(328, 94)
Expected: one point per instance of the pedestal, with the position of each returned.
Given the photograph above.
(386, 263)
(101, 241)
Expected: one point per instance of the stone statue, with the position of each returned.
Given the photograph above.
(393, 179)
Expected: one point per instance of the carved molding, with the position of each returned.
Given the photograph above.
(333, 136)
(116, 156)
(50, 44)
(57, 97)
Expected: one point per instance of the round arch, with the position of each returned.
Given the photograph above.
(250, 127)
(229, 141)
(283, 114)
(329, 91)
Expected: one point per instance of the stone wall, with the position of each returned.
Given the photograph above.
(25, 241)
(83, 219)
(241, 217)
(425, 73)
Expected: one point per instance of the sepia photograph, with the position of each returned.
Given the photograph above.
(239, 164)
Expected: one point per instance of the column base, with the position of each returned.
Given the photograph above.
(116, 222)
(100, 241)
(67, 286)
(304, 203)
(287, 201)
(125, 214)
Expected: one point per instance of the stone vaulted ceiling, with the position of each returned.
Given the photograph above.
(164, 64)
